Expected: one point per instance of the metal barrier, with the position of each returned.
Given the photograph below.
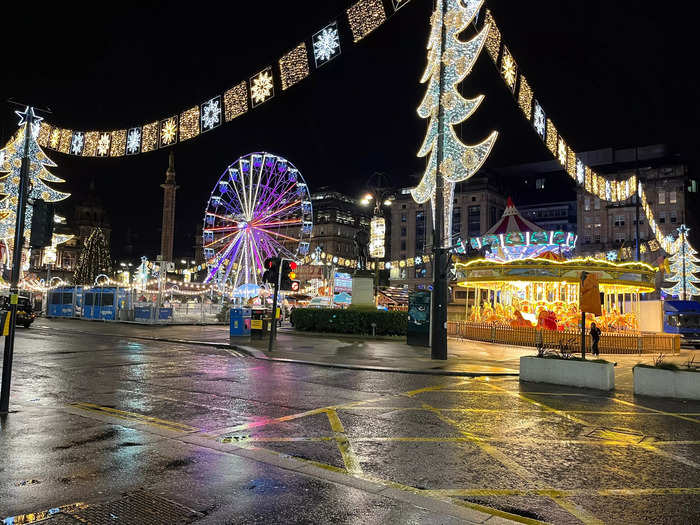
(610, 342)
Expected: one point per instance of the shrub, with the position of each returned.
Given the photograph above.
(349, 321)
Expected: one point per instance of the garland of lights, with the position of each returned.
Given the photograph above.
(363, 17)
(594, 183)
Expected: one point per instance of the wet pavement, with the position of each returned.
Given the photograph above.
(114, 429)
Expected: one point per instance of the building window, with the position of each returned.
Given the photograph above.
(662, 197)
(587, 239)
(456, 220)
(587, 204)
(539, 184)
(420, 232)
(673, 217)
(403, 245)
(403, 217)
(662, 218)
(672, 197)
(596, 237)
(473, 199)
(460, 294)
(693, 186)
(619, 220)
(421, 272)
(403, 206)
(619, 238)
(403, 231)
(474, 224)
(597, 203)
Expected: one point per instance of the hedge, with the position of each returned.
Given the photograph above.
(349, 321)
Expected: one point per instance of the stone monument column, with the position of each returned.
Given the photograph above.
(168, 231)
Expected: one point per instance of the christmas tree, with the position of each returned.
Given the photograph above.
(93, 260)
(445, 107)
(683, 268)
(10, 167)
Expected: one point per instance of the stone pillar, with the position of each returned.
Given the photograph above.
(168, 232)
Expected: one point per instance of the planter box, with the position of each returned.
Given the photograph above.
(600, 376)
(666, 383)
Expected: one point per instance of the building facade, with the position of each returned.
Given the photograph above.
(606, 227)
(337, 218)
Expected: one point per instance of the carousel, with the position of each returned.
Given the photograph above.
(528, 278)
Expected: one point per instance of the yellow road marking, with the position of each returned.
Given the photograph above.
(500, 411)
(660, 412)
(564, 493)
(132, 416)
(352, 465)
(572, 508)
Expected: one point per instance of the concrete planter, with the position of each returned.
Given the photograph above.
(666, 383)
(586, 374)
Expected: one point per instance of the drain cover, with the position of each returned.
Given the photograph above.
(137, 508)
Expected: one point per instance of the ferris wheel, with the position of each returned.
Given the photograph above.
(260, 207)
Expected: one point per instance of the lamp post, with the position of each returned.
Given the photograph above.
(381, 194)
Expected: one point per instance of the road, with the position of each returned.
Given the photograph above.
(118, 428)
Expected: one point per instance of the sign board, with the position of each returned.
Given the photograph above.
(342, 283)
(256, 324)
(377, 232)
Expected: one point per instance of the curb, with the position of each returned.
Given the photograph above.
(259, 354)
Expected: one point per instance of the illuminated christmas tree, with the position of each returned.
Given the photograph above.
(10, 166)
(683, 268)
(93, 260)
(445, 107)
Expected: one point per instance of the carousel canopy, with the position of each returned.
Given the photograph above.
(514, 237)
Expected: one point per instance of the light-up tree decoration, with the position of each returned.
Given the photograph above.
(684, 267)
(94, 259)
(10, 165)
(450, 60)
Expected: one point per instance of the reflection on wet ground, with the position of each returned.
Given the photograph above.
(100, 418)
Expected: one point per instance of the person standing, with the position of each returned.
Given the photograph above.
(595, 339)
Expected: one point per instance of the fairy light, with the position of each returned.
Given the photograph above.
(44, 134)
(493, 40)
(294, 66)
(103, 143)
(509, 69)
(118, 143)
(364, 17)
(525, 97)
(149, 137)
(168, 131)
(571, 165)
(262, 87)
(189, 123)
(552, 137)
(236, 101)
(90, 148)
(55, 139)
(65, 141)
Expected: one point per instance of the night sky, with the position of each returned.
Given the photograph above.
(609, 73)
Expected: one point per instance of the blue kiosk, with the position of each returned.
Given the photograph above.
(65, 301)
(104, 302)
(240, 322)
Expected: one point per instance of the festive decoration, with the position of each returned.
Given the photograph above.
(149, 137)
(44, 137)
(77, 142)
(168, 131)
(236, 101)
(133, 141)
(90, 148)
(445, 109)
(509, 69)
(377, 228)
(39, 175)
(262, 88)
(118, 148)
(259, 208)
(211, 114)
(364, 17)
(189, 123)
(398, 4)
(294, 66)
(683, 266)
(94, 259)
(525, 97)
(103, 144)
(326, 44)
(493, 40)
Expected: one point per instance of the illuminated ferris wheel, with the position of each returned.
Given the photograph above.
(259, 208)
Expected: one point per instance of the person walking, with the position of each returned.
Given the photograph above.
(595, 339)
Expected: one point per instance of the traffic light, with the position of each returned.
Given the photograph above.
(288, 276)
(272, 268)
(42, 224)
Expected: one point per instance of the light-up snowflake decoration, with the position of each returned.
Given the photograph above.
(562, 152)
(168, 131)
(76, 146)
(580, 171)
(540, 121)
(326, 44)
(133, 141)
(509, 69)
(261, 87)
(103, 145)
(211, 114)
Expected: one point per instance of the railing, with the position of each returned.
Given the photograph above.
(610, 342)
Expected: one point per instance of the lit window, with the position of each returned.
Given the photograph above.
(672, 197)
(587, 204)
(597, 203)
(662, 197)
(539, 184)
